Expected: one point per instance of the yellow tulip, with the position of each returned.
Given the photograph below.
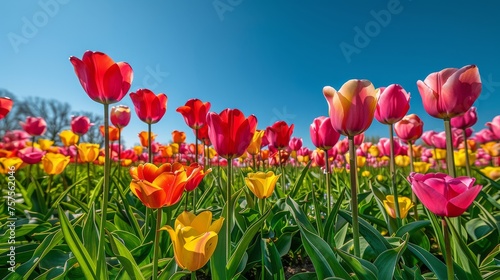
(194, 238)
(30, 144)
(438, 154)
(261, 184)
(380, 177)
(7, 162)
(405, 205)
(492, 148)
(126, 162)
(365, 173)
(138, 150)
(45, 144)
(88, 152)
(254, 147)
(421, 167)
(175, 148)
(491, 172)
(373, 150)
(68, 138)
(460, 158)
(360, 161)
(402, 161)
(54, 163)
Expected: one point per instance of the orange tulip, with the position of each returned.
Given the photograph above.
(144, 137)
(178, 136)
(114, 132)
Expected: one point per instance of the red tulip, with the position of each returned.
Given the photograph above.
(120, 116)
(203, 135)
(34, 126)
(494, 126)
(352, 107)
(195, 113)
(230, 132)
(104, 80)
(451, 91)
(392, 105)
(444, 195)
(466, 120)
(279, 134)
(410, 128)
(149, 107)
(323, 135)
(31, 155)
(5, 106)
(195, 175)
(80, 125)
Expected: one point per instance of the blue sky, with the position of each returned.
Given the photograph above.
(268, 58)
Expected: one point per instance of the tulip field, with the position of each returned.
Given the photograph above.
(248, 203)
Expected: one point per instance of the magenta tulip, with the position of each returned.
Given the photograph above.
(295, 143)
(439, 140)
(34, 126)
(494, 126)
(80, 125)
(392, 105)
(450, 92)
(427, 137)
(31, 155)
(444, 195)
(384, 145)
(323, 135)
(466, 120)
(484, 136)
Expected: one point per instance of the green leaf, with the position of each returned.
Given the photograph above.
(298, 182)
(90, 233)
(433, 263)
(86, 262)
(363, 269)
(329, 231)
(322, 256)
(273, 267)
(125, 257)
(372, 236)
(490, 258)
(304, 276)
(412, 227)
(388, 260)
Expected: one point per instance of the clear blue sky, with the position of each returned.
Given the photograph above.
(268, 58)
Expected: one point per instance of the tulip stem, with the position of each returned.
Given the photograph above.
(119, 153)
(450, 161)
(328, 185)
(156, 248)
(49, 185)
(412, 169)
(354, 196)
(196, 161)
(229, 208)
(150, 152)
(466, 147)
(283, 183)
(88, 181)
(392, 169)
(193, 275)
(449, 260)
(101, 254)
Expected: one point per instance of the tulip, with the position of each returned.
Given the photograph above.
(494, 126)
(34, 126)
(230, 132)
(54, 164)
(194, 238)
(322, 133)
(484, 136)
(178, 136)
(450, 92)
(352, 107)
(492, 148)
(7, 162)
(157, 187)
(404, 205)
(439, 154)
(195, 113)
(491, 172)
(68, 138)
(45, 144)
(149, 107)
(410, 128)
(439, 140)
(421, 167)
(374, 151)
(120, 116)
(427, 137)
(384, 146)
(295, 143)
(104, 80)
(88, 152)
(261, 184)
(195, 175)
(318, 158)
(31, 155)
(5, 106)
(392, 105)
(255, 144)
(402, 161)
(366, 174)
(80, 125)
(460, 158)
(138, 149)
(114, 133)
(144, 138)
(279, 134)
(444, 195)
(468, 119)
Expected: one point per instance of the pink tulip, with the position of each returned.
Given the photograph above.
(427, 137)
(450, 92)
(342, 146)
(34, 126)
(484, 136)
(352, 107)
(318, 157)
(410, 128)
(384, 145)
(466, 120)
(494, 126)
(358, 139)
(80, 125)
(295, 143)
(444, 195)
(323, 136)
(31, 155)
(439, 140)
(392, 105)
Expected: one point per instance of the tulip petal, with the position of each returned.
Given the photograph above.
(432, 199)
(198, 251)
